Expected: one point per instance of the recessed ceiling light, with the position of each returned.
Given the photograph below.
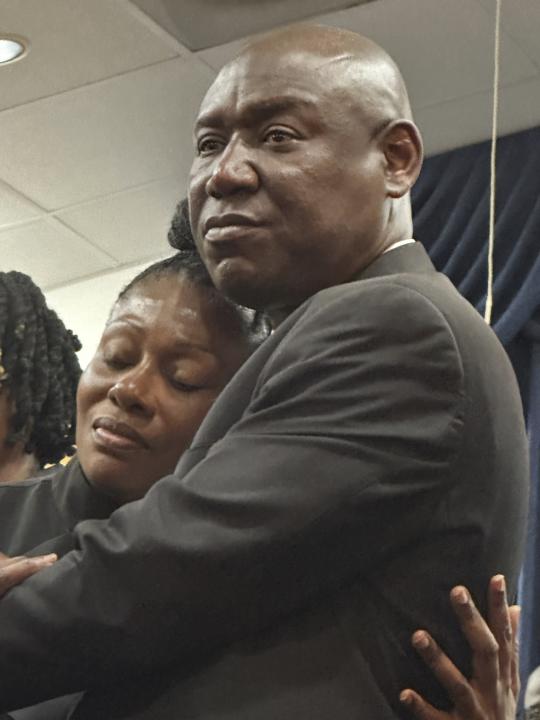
(12, 47)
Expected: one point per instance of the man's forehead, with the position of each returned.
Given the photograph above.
(257, 104)
(241, 88)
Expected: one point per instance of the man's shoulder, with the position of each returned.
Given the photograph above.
(396, 285)
(383, 300)
(387, 300)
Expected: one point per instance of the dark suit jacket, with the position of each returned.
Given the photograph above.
(370, 455)
(31, 513)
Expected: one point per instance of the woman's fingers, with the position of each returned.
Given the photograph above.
(514, 613)
(484, 646)
(501, 627)
(14, 570)
(419, 707)
(456, 685)
(492, 691)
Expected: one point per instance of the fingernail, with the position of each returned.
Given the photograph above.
(498, 582)
(48, 559)
(420, 640)
(460, 595)
(405, 697)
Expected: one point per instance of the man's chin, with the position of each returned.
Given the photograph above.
(239, 281)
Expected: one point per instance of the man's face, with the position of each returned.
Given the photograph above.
(287, 188)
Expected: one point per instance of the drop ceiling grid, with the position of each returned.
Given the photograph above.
(15, 207)
(49, 252)
(105, 137)
(74, 43)
(204, 23)
(131, 225)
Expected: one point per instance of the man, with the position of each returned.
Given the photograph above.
(369, 456)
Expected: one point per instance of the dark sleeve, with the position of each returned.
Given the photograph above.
(29, 514)
(358, 408)
(55, 709)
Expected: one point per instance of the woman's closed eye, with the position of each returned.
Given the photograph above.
(118, 361)
(185, 385)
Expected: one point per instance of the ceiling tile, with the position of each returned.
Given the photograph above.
(14, 207)
(204, 23)
(105, 137)
(443, 47)
(468, 120)
(521, 21)
(73, 43)
(441, 56)
(131, 225)
(49, 253)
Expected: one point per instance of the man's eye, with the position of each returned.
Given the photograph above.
(277, 136)
(209, 145)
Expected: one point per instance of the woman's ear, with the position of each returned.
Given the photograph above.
(402, 147)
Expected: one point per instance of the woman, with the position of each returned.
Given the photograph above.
(39, 372)
(169, 347)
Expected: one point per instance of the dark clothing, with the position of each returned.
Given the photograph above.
(49, 505)
(369, 456)
(36, 510)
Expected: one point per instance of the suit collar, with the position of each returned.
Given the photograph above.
(411, 258)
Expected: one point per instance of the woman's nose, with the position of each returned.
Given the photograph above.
(133, 393)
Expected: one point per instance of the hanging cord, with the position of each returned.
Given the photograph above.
(491, 236)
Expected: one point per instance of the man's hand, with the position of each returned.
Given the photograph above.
(492, 692)
(16, 569)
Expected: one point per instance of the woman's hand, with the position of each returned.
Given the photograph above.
(16, 569)
(492, 692)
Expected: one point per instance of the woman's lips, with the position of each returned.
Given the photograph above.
(115, 435)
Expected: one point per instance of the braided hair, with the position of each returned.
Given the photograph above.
(39, 369)
(181, 238)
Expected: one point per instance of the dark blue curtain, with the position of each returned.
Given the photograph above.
(450, 206)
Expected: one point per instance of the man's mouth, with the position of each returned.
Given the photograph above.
(229, 226)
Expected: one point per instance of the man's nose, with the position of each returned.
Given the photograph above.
(133, 392)
(233, 171)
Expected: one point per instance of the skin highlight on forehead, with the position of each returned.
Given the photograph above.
(135, 306)
(356, 71)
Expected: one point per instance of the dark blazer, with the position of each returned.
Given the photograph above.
(370, 455)
(33, 512)
(52, 503)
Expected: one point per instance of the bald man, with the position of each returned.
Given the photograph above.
(370, 455)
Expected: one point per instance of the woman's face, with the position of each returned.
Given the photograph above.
(165, 355)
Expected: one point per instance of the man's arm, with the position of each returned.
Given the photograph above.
(492, 692)
(356, 416)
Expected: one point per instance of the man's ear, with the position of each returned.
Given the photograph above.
(402, 147)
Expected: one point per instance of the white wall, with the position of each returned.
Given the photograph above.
(84, 305)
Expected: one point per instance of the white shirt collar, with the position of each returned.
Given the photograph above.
(398, 243)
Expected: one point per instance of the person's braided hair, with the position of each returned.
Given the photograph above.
(181, 238)
(39, 369)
